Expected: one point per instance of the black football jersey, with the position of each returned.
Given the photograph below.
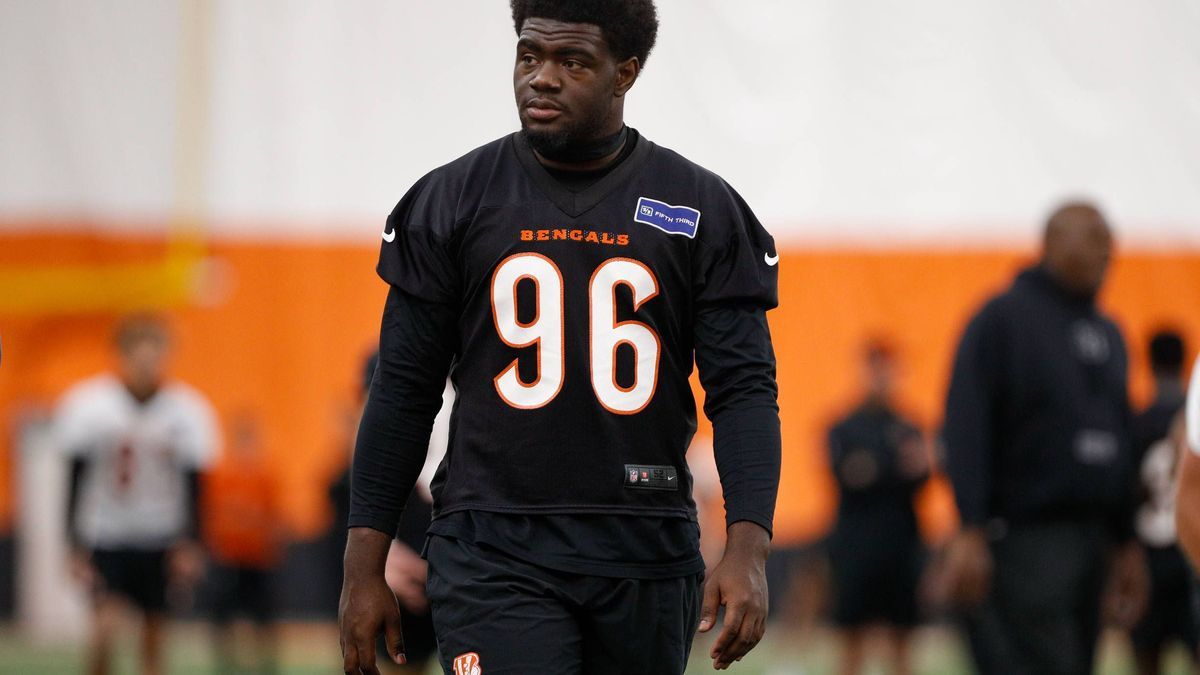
(575, 321)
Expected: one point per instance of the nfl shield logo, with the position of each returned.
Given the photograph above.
(633, 475)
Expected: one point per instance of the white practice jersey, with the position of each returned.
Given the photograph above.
(1193, 410)
(133, 493)
(1155, 519)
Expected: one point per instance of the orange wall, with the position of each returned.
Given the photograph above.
(920, 300)
(286, 342)
(285, 346)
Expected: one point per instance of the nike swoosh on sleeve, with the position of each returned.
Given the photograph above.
(771, 260)
(389, 237)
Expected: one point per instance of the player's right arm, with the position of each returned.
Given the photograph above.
(1187, 506)
(367, 605)
(74, 431)
(417, 342)
(968, 434)
(80, 562)
(416, 345)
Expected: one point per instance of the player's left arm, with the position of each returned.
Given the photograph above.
(1127, 592)
(1187, 501)
(737, 369)
(197, 448)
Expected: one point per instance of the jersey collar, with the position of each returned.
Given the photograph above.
(575, 204)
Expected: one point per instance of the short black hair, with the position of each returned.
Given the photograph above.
(1166, 353)
(628, 26)
(134, 329)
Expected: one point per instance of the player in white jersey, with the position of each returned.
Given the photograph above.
(136, 444)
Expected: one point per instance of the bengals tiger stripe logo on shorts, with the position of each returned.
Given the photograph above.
(467, 664)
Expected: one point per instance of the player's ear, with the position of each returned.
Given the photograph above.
(627, 73)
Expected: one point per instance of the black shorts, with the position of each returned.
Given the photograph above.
(509, 617)
(875, 580)
(242, 591)
(1169, 614)
(140, 576)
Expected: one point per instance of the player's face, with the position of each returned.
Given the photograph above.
(568, 84)
(1089, 258)
(1083, 250)
(143, 363)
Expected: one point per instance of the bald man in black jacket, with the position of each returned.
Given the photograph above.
(1039, 451)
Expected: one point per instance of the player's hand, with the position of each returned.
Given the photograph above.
(1128, 590)
(367, 606)
(913, 458)
(739, 584)
(80, 567)
(185, 563)
(967, 569)
(406, 574)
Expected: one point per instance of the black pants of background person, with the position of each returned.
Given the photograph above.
(1043, 616)
(876, 571)
(1169, 615)
(244, 592)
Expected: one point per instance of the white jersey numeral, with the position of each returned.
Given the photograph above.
(545, 332)
(608, 334)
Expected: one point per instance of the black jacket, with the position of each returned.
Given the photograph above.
(1037, 416)
(864, 452)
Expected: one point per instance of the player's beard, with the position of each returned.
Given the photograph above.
(576, 143)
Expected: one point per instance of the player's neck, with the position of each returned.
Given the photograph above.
(141, 394)
(590, 155)
(876, 402)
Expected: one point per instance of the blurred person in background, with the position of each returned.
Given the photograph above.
(245, 538)
(880, 461)
(1169, 613)
(1040, 454)
(1187, 501)
(137, 444)
(405, 571)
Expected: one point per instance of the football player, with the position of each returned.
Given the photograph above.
(1039, 452)
(880, 461)
(567, 276)
(1169, 613)
(137, 443)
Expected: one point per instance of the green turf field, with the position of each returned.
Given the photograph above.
(311, 649)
